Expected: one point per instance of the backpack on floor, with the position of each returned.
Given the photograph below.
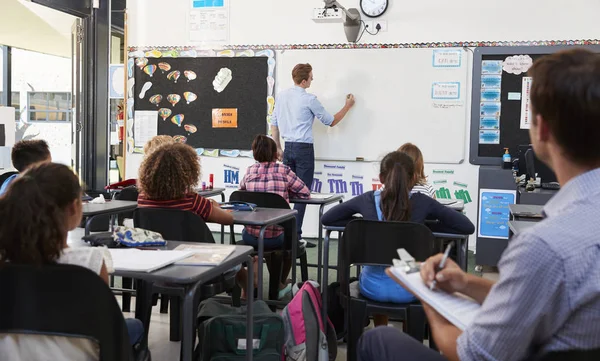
(305, 336)
(222, 332)
(335, 310)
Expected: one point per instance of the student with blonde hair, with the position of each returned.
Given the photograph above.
(156, 142)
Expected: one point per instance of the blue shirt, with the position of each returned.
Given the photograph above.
(7, 183)
(295, 112)
(548, 295)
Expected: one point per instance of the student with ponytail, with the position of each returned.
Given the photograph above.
(394, 202)
(39, 209)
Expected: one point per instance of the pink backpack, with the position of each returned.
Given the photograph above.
(305, 336)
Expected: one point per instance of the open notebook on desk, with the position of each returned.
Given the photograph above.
(321, 195)
(135, 260)
(457, 309)
(205, 254)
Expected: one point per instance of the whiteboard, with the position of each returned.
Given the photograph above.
(394, 91)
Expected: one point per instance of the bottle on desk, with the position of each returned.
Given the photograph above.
(211, 181)
(506, 160)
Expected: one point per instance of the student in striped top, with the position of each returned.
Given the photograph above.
(168, 178)
(421, 184)
(266, 175)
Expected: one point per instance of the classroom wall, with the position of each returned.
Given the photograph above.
(289, 22)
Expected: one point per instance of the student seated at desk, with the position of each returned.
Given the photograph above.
(394, 202)
(421, 184)
(168, 178)
(269, 176)
(24, 154)
(38, 210)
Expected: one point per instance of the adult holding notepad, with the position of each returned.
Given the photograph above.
(547, 298)
(292, 119)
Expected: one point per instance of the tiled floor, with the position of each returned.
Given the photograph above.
(163, 349)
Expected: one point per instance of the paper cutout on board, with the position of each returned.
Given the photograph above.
(191, 129)
(141, 63)
(130, 64)
(164, 113)
(266, 52)
(153, 54)
(156, 99)
(270, 85)
(246, 53)
(491, 67)
(490, 94)
(150, 69)
(271, 103)
(130, 84)
(190, 75)
(225, 118)
(130, 103)
(271, 65)
(171, 54)
(517, 64)
(526, 103)
(246, 154)
(222, 79)
(190, 53)
(226, 53)
(174, 75)
(145, 88)
(189, 97)
(211, 153)
(177, 119)
(137, 54)
(490, 108)
(173, 99)
(179, 139)
(230, 153)
(164, 67)
(489, 122)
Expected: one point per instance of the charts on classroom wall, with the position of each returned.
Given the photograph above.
(402, 95)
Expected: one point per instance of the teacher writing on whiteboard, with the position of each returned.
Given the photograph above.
(292, 119)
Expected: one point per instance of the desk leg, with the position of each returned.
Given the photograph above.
(325, 277)
(143, 306)
(189, 322)
(320, 244)
(88, 222)
(222, 226)
(249, 315)
(261, 255)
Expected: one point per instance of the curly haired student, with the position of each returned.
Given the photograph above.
(168, 178)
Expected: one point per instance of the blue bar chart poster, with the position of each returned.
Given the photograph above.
(494, 213)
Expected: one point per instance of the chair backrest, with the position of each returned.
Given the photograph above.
(173, 224)
(129, 193)
(267, 200)
(375, 243)
(5, 176)
(62, 300)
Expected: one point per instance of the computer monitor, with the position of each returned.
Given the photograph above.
(546, 174)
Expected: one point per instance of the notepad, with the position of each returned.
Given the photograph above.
(136, 260)
(320, 195)
(458, 309)
(205, 254)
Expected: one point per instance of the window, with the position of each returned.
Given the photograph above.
(49, 107)
(15, 102)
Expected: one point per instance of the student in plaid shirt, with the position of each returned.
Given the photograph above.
(269, 176)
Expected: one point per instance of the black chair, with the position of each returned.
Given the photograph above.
(273, 200)
(5, 176)
(43, 300)
(182, 226)
(376, 243)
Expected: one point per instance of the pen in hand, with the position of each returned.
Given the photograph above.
(442, 263)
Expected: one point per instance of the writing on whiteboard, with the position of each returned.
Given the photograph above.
(445, 58)
(445, 90)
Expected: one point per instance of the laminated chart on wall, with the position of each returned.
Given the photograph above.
(494, 213)
(215, 101)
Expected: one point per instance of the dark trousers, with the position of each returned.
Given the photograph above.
(388, 344)
(300, 157)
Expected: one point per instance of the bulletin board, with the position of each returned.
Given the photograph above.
(500, 108)
(215, 103)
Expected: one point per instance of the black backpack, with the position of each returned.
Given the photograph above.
(335, 309)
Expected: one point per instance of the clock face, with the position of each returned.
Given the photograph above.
(373, 8)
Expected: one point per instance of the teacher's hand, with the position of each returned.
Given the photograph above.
(280, 154)
(349, 100)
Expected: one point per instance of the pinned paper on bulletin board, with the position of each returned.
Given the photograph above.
(225, 118)
(526, 103)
